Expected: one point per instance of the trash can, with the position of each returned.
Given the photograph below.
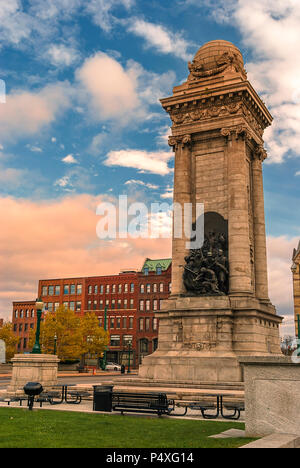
(122, 369)
(102, 398)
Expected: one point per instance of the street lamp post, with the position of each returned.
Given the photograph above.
(39, 308)
(55, 343)
(129, 351)
(103, 362)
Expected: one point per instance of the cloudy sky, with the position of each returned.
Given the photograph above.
(82, 123)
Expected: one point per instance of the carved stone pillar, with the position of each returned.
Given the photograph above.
(182, 195)
(238, 213)
(260, 250)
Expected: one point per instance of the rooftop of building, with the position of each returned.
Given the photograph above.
(152, 265)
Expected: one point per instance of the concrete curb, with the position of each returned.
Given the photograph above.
(276, 441)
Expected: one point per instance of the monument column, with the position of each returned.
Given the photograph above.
(238, 215)
(219, 307)
(182, 195)
(260, 250)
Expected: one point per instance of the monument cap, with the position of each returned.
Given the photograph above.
(215, 57)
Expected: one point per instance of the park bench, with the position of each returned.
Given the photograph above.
(142, 403)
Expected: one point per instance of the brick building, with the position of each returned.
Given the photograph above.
(296, 284)
(130, 298)
(23, 320)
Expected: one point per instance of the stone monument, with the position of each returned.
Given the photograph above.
(219, 307)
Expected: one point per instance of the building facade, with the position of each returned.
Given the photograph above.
(296, 286)
(127, 300)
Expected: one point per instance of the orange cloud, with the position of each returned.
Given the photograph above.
(54, 239)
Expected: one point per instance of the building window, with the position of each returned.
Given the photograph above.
(146, 271)
(89, 305)
(16, 314)
(100, 321)
(72, 305)
(101, 289)
(96, 289)
(154, 287)
(32, 326)
(141, 304)
(161, 287)
(132, 287)
(50, 306)
(27, 313)
(95, 305)
(142, 288)
(125, 303)
(20, 327)
(15, 327)
(107, 289)
(90, 289)
(158, 270)
(78, 306)
(51, 291)
(126, 287)
(32, 313)
(147, 324)
(26, 327)
(56, 306)
(148, 288)
(120, 289)
(107, 303)
(25, 343)
(21, 313)
(130, 326)
(170, 287)
(144, 346)
(57, 290)
(155, 304)
(118, 325)
(66, 305)
(141, 324)
(148, 304)
(112, 322)
(127, 339)
(101, 304)
(115, 340)
(119, 304)
(44, 291)
(79, 289)
(73, 289)
(66, 289)
(113, 304)
(131, 303)
(124, 322)
(113, 288)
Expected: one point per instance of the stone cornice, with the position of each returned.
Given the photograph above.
(241, 100)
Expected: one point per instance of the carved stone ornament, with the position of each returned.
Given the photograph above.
(228, 60)
(236, 132)
(260, 153)
(185, 140)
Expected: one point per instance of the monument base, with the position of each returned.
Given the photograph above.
(40, 368)
(200, 338)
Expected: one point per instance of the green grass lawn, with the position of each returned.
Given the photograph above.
(20, 428)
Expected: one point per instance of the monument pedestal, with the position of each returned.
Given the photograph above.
(200, 338)
(41, 368)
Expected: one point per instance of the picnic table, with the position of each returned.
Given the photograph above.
(219, 405)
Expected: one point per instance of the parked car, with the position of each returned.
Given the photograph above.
(112, 366)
